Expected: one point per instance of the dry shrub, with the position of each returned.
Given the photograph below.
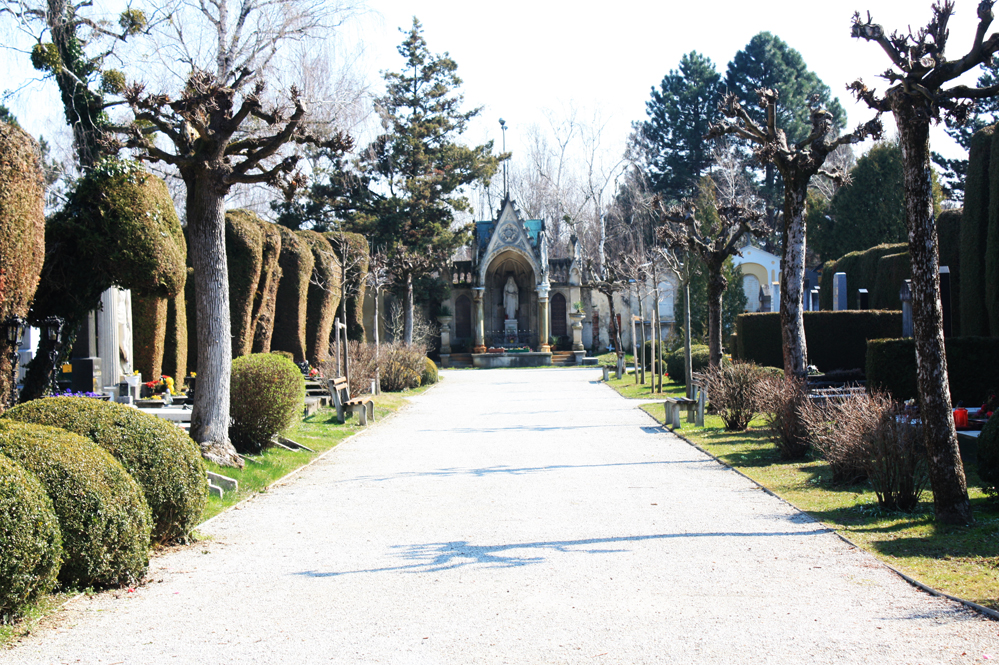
(732, 390)
(362, 367)
(782, 399)
(401, 366)
(869, 434)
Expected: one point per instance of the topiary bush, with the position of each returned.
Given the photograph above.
(161, 457)
(988, 456)
(175, 340)
(861, 270)
(972, 367)
(103, 516)
(22, 230)
(267, 395)
(699, 361)
(265, 299)
(323, 297)
(149, 325)
(244, 240)
(974, 234)
(430, 374)
(296, 263)
(353, 251)
(30, 540)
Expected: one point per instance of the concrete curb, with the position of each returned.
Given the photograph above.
(990, 613)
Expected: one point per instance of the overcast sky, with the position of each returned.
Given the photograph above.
(520, 58)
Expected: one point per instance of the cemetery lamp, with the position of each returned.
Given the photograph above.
(13, 329)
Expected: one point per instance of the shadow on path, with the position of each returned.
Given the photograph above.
(518, 471)
(436, 557)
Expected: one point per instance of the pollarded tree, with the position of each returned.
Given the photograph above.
(797, 162)
(921, 90)
(712, 234)
(421, 166)
(680, 112)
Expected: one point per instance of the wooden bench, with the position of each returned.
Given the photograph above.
(673, 405)
(363, 406)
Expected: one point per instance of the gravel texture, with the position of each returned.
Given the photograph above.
(515, 516)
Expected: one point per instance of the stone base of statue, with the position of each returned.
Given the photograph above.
(509, 327)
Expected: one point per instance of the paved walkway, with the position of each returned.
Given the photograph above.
(515, 516)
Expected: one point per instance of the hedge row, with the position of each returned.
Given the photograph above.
(861, 270)
(175, 342)
(149, 326)
(835, 340)
(290, 313)
(323, 297)
(972, 367)
(244, 255)
(974, 234)
(265, 298)
(356, 258)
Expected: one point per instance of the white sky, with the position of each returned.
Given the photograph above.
(519, 58)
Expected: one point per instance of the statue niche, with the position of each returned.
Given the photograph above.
(511, 298)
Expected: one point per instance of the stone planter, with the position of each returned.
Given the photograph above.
(445, 322)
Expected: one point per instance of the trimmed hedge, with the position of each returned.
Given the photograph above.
(149, 325)
(265, 299)
(990, 247)
(893, 270)
(699, 361)
(161, 457)
(972, 367)
(835, 340)
(268, 394)
(430, 374)
(861, 270)
(30, 540)
(974, 234)
(102, 514)
(988, 456)
(244, 240)
(949, 234)
(22, 230)
(175, 342)
(290, 311)
(358, 261)
(323, 298)
(191, 314)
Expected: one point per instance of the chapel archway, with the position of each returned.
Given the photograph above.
(463, 317)
(558, 315)
(505, 265)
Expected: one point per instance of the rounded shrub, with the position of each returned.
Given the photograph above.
(102, 514)
(699, 361)
(30, 540)
(161, 457)
(430, 374)
(988, 456)
(268, 393)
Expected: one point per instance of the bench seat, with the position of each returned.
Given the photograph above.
(363, 405)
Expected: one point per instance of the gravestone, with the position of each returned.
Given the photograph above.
(814, 297)
(775, 301)
(945, 299)
(839, 292)
(905, 295)
(863, 299)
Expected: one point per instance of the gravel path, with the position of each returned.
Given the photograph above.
(515, 516)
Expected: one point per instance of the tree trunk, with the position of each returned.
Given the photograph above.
(716, 289)
(688, 364)
(206, 228)
(378, 378)
(407, 326)
(950, 492)
(792, 277)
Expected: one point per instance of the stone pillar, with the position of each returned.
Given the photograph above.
(109, 338)
(445, 322)
(775, 299)
(945, 299)
(479, 321)
(839, 292)
(577, 336)
(544, 323)
(905, 295)
(863, 299)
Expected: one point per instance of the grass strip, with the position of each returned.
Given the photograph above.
(960, 561)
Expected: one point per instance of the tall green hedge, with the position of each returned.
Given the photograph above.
(972, 367)
(296, 264)
(358, 261)
(892, 271)
(244, 254)
(160, 456)
(175, 344)
(949, 234)
(323, 297)
(974, 234)
(149, 325)
(102, 512)
(835, 340)
(22, 230)
(990, 246)
(861, 270)
(191, 314)
(30, 540)
(265, 299)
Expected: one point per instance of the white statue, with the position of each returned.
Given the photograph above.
(543, 246)
(511, 298)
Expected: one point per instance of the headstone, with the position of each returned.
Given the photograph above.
(814, 297)
(863, 299)
(839, 292)
(905, 295)
(86, 374)
(775, 301)
(945, 299)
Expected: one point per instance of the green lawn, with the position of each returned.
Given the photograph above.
(627, 387)
(961, 561)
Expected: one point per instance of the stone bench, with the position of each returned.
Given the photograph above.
(673, 405)
(363, 406)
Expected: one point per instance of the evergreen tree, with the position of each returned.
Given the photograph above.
(418, 166)
(671, 141)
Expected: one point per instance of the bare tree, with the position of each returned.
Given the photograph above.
(797, 164)
(918, 92)
(713, 234)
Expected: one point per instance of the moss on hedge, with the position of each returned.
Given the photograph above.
(835, 340)
(244, 254)
(22, 230)
(103, 516)
(268, 393)
(323, 298)
(974, 234)
(972, 367)
(191, 314)
(296, 264)
(149, 326)
(161, 457)
(861, 270)
(357, 258)
(265, 298)
(30, 540)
